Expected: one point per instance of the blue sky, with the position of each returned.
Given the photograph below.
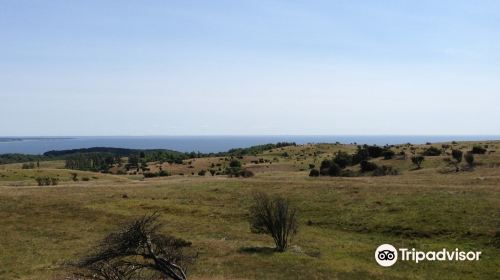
(249, 67)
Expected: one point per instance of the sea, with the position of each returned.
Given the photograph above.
(207, 144)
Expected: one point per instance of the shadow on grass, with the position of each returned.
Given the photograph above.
(257, 250)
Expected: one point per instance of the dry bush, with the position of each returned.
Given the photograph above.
(139, 251)
(274, 216)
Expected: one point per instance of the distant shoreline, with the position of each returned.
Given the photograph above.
(20, 139)
(37, 145)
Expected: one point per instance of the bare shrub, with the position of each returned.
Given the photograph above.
(274, 216)
(139, 251)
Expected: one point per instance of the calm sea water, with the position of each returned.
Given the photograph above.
(207, 143)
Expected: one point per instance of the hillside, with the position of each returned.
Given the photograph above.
(341, 219)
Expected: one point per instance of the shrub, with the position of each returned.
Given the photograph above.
(245, 173)
(311, 166)
(360, 155)
(432, 151)
(150, 175)
(478, 150)
(388, 154)
(54, 181)
(374, 151)
(47, 181)
(234, 168)
(367, 166)
(202, 172)
(348, 173)
(212, 172)
(29, 165)
(235, 163)
(325, 164)
(385, 171)
(274, 216)
(232, 172)
(332, 169)
(469, 158)
(457, 155)
(417, 160)
(314, 173)
(342, 159)
(163, 173)
(85, 179)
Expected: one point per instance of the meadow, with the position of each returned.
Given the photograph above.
(342, 220)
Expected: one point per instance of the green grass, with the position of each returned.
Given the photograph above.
(44, 228)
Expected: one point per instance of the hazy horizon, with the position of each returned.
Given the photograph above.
(248, 135)
(249, 67)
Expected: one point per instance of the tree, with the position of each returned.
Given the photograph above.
(274, 216)
(138, 250)
(417, 160)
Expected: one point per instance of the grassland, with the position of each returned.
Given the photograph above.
(342, 220)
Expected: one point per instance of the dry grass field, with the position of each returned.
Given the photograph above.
(342, 220)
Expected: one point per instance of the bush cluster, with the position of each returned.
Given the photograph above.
(432, 151)
(367, 166)
(341, 160)
(29, 165)
(478, 150)
(47, 181)
(385, 171)
(161, 173)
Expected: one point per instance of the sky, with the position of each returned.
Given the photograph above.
(93, 67)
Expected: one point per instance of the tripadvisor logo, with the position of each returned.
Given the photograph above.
(387, 255)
